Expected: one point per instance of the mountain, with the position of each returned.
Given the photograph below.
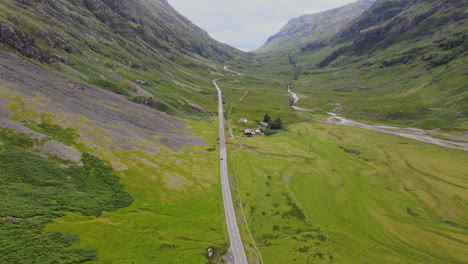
(391, 22)
(134, 48)
(314, 30)
(79, 26)
(392, 63)
(97, 106)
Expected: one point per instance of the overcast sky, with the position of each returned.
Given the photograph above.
(246, 24)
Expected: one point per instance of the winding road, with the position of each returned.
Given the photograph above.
(413, 133)
(236, 253)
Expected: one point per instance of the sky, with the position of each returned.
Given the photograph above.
(247, 24)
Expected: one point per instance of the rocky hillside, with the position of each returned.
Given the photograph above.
(389, 22)
(92, 96)
(134, 48)
(79, 26)
(314, 30)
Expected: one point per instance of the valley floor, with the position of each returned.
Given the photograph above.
(413, 133)
(312, 193)
(326, 193)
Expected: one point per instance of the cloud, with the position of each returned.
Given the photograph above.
(246, 24)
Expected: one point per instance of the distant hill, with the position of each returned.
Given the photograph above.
(314, 30)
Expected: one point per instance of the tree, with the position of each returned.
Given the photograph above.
(266, 118)
(277, 124)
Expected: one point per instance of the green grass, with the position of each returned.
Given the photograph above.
(364, 200)
(318, 193)
(114, 59)
(313, 193)
(249, 97)
(177, 210)
(35, 190)
(176, 214)
(64, 135)
(419, 83)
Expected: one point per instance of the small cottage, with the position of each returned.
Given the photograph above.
(243, 120)
(248, 132)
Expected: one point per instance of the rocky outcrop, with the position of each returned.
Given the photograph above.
(26, 45)
(379, 13)
(195, 107)
(145, 100)
(21, 42)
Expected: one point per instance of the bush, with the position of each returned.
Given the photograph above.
(65, 135)
(268, 132)
(277, 124)
(35, 190)
(117, 88)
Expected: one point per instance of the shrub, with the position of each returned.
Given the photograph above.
(277, 124)
(35, 190)
(111, 86)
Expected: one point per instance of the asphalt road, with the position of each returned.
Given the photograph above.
(236, 252)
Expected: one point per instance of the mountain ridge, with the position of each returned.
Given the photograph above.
(311, 29)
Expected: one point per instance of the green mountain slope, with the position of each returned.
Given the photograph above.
(114, 79)
(314, 30)
(81, 26)
(113, 44)
(400, 61)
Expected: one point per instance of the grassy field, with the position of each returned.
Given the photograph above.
(176, 214)
(35, 190)
(318, 193)
(322, 193)
(405, 94)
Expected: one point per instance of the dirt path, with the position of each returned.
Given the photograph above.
(413, 133)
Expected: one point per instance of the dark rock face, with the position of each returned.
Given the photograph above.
(26, 44)
(158, 27)
(313, 45)
(198, 108)
(9, 219)
(378, 13)
(21, 42)
(391, 21)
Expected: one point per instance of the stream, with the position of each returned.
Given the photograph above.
(413, 133)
